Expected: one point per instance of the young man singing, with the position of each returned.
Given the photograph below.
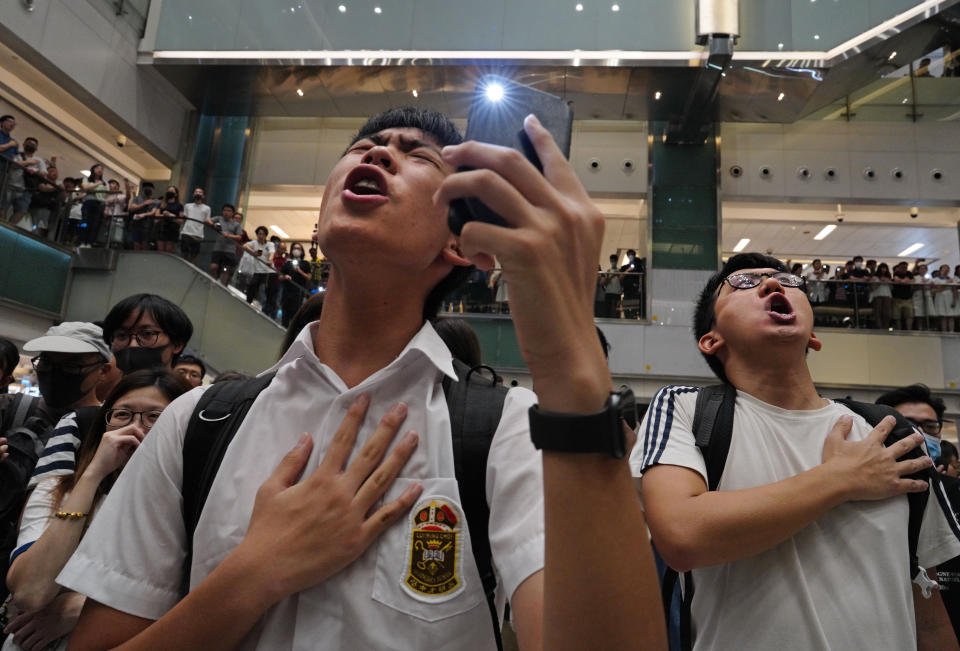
(284, 554)
(804, 545)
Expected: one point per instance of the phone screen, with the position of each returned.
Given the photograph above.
(496, 117)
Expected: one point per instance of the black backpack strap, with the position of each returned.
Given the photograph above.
(211, 428)
(873, 414)
(475, 404)
(713, 428)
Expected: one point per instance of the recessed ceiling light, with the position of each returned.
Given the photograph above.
(826, 230)
(415, 93)
(377, 10)
(816, 37)
(893, 55)
(300, 92)
(904, 100)
(779, 46)
(741, 245)
(615, 8)
(578, 7)
(342, 9)
(780, 97)
(913, 248)
(657, 95)
(279, 231)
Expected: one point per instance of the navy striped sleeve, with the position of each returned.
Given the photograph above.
(657, 428)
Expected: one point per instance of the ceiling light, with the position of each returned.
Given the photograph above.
(377, 10)
(342, 9)
(904, 100)
(300, 92)
(494, 91)
(741, 245)
(826, 230)
(415, 93)
(913, 248)
(779, 46)
(279, 231)
(579, 7)
(615, 8)
(816, 37)
(86, 173)
(657, 95)
(780, 97)
(892, 56)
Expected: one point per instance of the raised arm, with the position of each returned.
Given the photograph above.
(300, 534)
(32, 576)
(607, 600)
(693, 527)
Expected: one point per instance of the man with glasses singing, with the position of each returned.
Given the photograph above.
(804, 543)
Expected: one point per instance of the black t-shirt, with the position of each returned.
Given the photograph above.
(948, 574)
(290, 269)
(902, 290)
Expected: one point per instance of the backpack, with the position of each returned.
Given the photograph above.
(475, 404)
(713, 429)
(26, 425)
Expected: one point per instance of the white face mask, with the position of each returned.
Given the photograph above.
(858, 265)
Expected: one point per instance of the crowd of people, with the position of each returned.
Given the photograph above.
(871, 294)
(288, 510)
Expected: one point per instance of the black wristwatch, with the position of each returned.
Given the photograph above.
(599, 432)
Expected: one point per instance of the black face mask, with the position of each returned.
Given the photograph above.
(137, 358)
(171, 196)
(60, 390)
(197, 198)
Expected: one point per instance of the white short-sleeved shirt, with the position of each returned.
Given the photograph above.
(383, 600)
(195, 215)
(841, 583)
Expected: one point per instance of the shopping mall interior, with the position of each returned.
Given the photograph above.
(806, 129)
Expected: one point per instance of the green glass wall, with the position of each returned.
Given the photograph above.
(32, 274)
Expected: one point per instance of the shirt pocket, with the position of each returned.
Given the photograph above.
(425, 565)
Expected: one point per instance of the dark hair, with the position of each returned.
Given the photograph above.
(113, 181)
(146, 184)
(444, 132)
(228, 205)
(797, 268)
(31, 138)
(228, 376)
(9, 357)
(170, 385)
(174, 321)
(603, 342)
(93, 167)
(4, 118)
(883, 270)
(613, 257)
(461, 339)
(913, 393)
(261, 228)
(631, 252)
(193, 360)
(308, 313)
(703, 316)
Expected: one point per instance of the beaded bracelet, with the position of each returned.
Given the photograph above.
(69, 515)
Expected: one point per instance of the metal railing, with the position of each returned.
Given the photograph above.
(874, 304)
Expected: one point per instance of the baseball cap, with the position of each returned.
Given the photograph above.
(71, 337)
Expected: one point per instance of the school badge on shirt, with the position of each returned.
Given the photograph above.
(435, 540)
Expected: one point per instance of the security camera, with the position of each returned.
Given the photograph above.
(627, 165)
(914, 212)
(594, 163)
(121, 140)
(839, 219)
(736, 171)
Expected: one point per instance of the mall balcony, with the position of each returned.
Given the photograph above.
(820, 131)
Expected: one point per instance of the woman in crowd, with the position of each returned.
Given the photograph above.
(881, 296)
(94, 204)
(168, 219)
(945, 299)
(294, 273)
(924, 317)
(59, 510)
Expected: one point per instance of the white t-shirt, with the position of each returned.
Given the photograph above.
(131, 559)
(817, 289)
(249, 264)
(841, 583)
(195, 214)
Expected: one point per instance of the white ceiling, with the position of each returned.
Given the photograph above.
(881, 232)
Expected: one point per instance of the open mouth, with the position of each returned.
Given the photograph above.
(779, 308)
(366, 181)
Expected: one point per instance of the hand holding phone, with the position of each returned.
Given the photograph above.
(496, 117)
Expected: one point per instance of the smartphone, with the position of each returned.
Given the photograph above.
(496, 117)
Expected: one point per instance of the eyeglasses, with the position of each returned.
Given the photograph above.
(145, 338)
(120, 417)
(752, 279)
(931, 427)
(41, 364)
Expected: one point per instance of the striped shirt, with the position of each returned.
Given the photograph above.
(59, 455)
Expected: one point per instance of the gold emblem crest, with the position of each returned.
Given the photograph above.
(433, 551)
